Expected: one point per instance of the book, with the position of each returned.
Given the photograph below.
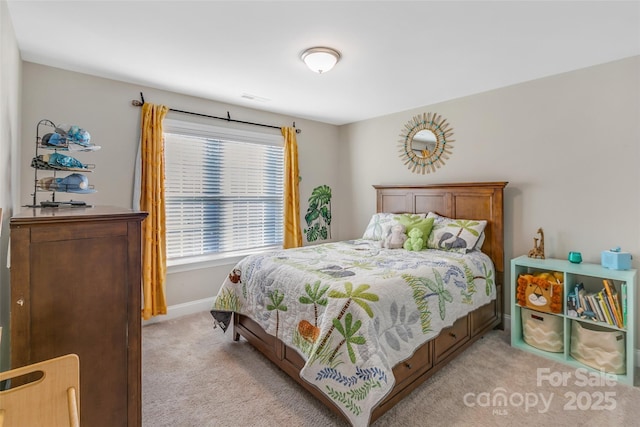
(610, 288)
(584, 304)
(579, 292)
(618, 308)
(623, 303)
(589, 310)
(595, 307)
(602, 297)
(597, 301)
(610, 308)
(603, 305)
(572, 309)
(618, 303)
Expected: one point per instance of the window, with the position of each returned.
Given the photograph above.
(223, 191)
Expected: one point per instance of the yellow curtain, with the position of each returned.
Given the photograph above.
(292, 233)
(154, 258)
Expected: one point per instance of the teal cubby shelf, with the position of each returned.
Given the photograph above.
(591, 276)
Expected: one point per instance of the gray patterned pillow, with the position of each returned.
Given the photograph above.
(455, 235)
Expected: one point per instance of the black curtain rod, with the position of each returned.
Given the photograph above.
(137, 103)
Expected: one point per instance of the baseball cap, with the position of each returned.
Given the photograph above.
(79, 142)
(57, 161)
(74, 183)
(74, 133)
(63, 161)
(62, 129)
(54, 139)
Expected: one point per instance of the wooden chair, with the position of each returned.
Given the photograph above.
(51, 400)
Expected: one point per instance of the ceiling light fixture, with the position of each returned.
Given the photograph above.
(320, 59)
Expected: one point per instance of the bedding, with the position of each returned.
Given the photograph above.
(353, 310)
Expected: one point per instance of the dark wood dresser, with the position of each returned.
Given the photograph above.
(76, 288)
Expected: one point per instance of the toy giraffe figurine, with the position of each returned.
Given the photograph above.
(538, 249)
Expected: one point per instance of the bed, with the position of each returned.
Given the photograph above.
(360, 326)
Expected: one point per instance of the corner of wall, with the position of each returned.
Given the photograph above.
(10, 117)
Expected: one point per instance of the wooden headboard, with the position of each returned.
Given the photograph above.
(478, 200)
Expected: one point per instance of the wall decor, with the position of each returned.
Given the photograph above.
(318, 215)
(425, 143)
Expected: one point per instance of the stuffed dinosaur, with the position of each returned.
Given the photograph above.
(415, 242)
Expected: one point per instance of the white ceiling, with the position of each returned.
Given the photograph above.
(395, 55)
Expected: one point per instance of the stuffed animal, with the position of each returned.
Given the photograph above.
(395, 238)
(415, 242)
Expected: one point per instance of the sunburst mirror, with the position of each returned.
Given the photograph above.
(425, 143)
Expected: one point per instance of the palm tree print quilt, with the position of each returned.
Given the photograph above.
(353, 310)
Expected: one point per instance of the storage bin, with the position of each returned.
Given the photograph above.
(598, 347)
(542, 330)
(541, 291)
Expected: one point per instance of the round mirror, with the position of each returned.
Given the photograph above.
(426, 143)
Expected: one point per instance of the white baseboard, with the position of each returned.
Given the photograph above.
(205, 304)
(179, 310)
(507, 322)
(507, 327)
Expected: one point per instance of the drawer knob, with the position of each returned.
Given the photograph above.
(20, 302)
(408, 365)
(453, 335)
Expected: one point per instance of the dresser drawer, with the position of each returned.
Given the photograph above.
(416, 364)
(451, 338)
(484, 317)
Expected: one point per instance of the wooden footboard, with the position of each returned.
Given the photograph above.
(480, 201)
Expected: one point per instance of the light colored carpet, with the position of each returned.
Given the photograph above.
(196, 376)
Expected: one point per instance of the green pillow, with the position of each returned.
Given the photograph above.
(415, 221)
(407, 219)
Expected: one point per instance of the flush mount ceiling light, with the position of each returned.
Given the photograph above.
(320, 59)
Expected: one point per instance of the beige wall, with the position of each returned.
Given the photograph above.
(103, 107)
(567, 144)
(10, 84)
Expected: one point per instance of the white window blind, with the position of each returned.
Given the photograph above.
(223, 191)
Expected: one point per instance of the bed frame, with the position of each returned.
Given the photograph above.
(482, 200)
